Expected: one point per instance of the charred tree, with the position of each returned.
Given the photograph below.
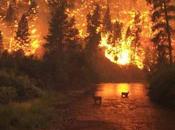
(1, 42)
(61, 44)
(22, 34)
(117, 30)
(11, 14)
(32, 8)
(3, 3)
(162, 14)
(93, 25)
(71, 36)
(57, 27)
(107, 20)
(134, 32)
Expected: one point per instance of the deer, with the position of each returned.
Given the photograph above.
(124, 94)
(97, 100)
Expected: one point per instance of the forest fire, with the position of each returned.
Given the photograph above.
(129, 48)
(124, 47)
(19, 29)
(117, 54)
(121, 53)
(125, 50)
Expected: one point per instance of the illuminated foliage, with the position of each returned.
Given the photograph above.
(84, 15)
(107, 20)
(11, 14)
(117, 31)
(162, 14)
(32, 8)
(125, 49)
(22, 34)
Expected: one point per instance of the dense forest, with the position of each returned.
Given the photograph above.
(40, 53)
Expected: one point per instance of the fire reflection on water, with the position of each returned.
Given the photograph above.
(114, 90)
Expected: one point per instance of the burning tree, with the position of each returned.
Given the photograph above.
(11, 14)
(93, 27)
(22, 34)
(34, 34)
(57, 27)
(162, 14)
(22, 31)
(134, 31)
(61, 41)
(32, 8)
(1, 42)
(125, 49)
(3, 3)
(71, 35)
(117, 31)
(107, 20)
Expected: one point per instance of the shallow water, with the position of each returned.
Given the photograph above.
(116, 113)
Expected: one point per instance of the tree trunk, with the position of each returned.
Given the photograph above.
(168, 32)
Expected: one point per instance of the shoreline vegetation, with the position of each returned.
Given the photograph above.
(32, 100)
(40, 102)
(162, 86)
(37, 92)
(51, 109)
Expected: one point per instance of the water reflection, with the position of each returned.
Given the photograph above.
(133, 113)
(115, 90)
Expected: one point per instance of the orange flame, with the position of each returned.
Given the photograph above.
(121, 53)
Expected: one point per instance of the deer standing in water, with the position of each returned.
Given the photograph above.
(97, 100)
(124, 94)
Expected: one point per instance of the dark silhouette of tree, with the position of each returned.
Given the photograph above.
(117, 30)
(57, 27)
(61, 46)
(1, 42)
(93, 39)
(93, 24)
(3, 3)
(107, 20)
(71, 35)
(22, 34)
(11, 14)
(128, 32)
(162, 14)
(32, 8)
(54, 41)
(134, 31)
(137, 29)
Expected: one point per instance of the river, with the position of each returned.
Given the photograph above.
(136, 112)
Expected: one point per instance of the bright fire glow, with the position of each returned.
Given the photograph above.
(123, 88)
(121, 53)
(113, 90)
(124, 57)
(10, 43)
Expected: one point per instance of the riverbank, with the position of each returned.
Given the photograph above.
(50, 111)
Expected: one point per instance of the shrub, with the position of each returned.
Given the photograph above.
(7, 94)
(16, 86)
(162, 86)
(35, 114)
(25, 88)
